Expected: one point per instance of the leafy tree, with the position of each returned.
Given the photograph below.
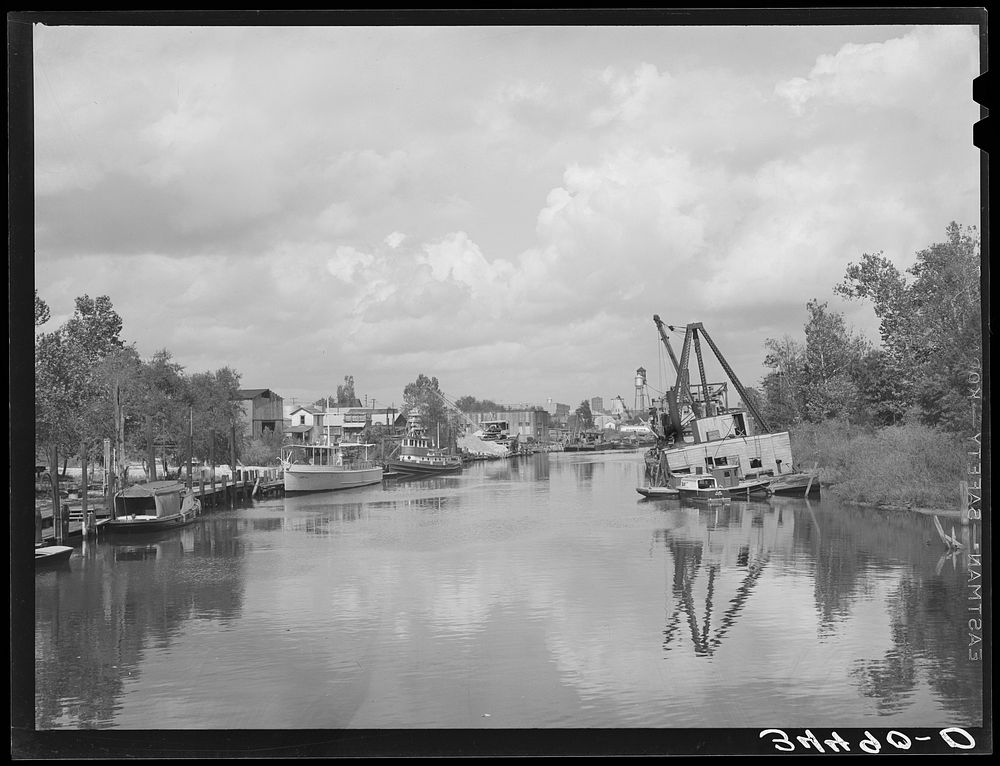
(68, 371)
(472, 404)
(212, 397)
(264, 449)
(832, 356)
(60, 390)
(585, 415)
(879, 402)
(930, 325)
(783, 403)
(425, 393)
(165, 399)
(94, 327)
(345, 393)
(42, 312)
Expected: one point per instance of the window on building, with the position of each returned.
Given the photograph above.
(302, 420)
(755, 462)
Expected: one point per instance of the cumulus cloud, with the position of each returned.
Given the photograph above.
(545, 193)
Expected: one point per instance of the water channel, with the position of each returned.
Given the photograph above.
(539, 592)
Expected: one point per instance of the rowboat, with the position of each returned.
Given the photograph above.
(47, 555)
(797, 484)
(657, 491)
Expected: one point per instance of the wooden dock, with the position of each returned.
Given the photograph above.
(228, 491)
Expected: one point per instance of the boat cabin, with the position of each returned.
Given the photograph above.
(342, 453)
(156, 498)
(698, 482)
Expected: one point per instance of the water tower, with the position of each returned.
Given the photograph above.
(640, 392)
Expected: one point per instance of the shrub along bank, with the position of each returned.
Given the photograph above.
(908, 465)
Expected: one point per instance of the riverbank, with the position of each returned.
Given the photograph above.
(911, 467)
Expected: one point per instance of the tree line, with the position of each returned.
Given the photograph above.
(90, 385)
(926, 365)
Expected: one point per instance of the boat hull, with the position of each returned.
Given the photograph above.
(657, 491)
(795, 486)
(418, 468)
(141, 524)
(50, 555)
(321, 478)
(749, 488)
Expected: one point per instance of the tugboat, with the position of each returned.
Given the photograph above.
(418, 457)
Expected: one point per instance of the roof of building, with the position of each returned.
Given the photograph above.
(306, 408)
(298, 429)
(253, 393)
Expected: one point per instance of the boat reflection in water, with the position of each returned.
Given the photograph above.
(717, 560)
(526, 590)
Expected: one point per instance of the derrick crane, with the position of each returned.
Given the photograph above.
(681, 391)
(625, 409)
(455, 408)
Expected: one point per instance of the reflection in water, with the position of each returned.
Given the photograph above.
(720, 559)
(541, 591)
(130, 595)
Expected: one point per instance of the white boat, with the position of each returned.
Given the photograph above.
(702, 487)
(321, 467)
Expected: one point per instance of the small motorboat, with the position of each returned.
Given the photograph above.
(47, 555)
(702, 487)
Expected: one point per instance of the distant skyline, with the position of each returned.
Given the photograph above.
(502, 208)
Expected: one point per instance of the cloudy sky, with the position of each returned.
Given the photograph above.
(504, 208)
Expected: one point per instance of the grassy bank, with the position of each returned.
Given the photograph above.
(899, 465)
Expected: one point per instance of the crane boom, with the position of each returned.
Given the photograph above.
(455, 408)
(666, 342)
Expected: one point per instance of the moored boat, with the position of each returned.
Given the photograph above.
(799, 484)
(154, 506)
(417, 456)
(658, 492)
(702, 487)
(49, 555)
(323, 467)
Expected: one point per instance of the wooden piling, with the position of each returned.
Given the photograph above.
(88, 526)
(56, 504)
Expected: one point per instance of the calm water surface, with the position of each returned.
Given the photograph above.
(533, 593)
